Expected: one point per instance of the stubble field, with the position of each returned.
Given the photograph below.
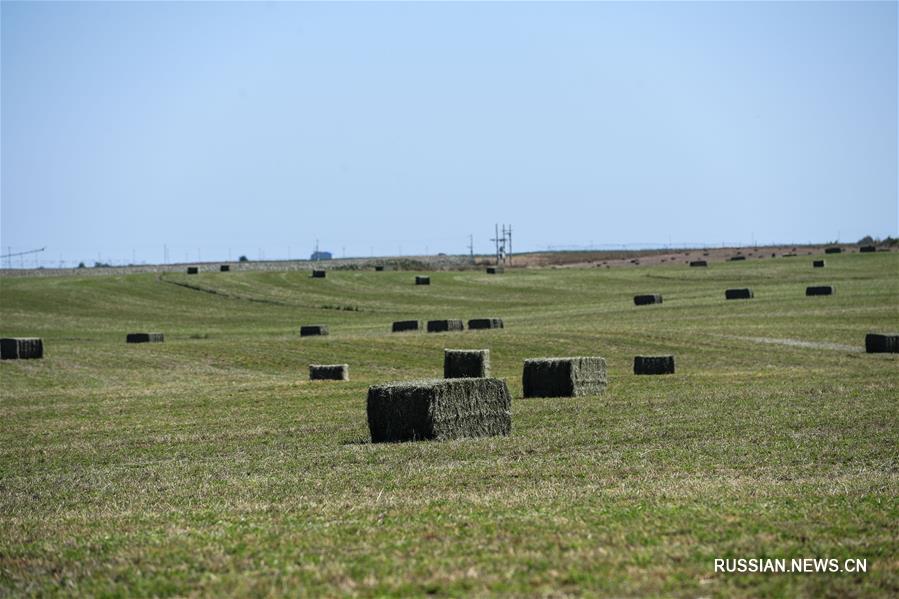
(210, 465)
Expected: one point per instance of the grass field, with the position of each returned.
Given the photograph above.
(209, 465)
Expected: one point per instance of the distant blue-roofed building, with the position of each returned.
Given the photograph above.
(321, 256)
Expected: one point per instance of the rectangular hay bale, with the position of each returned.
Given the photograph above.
(21, 348)
(819, 290)
(466, 363)
(405, 325)
(224, 268)
(192, 270)
(744, 293)
(329, 372)
(653, 364)
(318, 273)
(144, 338)
(485, 323)
(882, 343)
(646, 299)
(564, 377)
(443, 326)
(439, 410)
(311, 330)
(737, 258)
(698, 263)
(817, 263)
(495, 270)
(865, 249)
(419, 280)
(833, 250)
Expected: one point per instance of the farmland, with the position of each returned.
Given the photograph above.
(209, 464)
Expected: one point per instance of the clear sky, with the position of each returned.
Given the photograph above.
(256, 128)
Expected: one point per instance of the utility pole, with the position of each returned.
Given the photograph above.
(471, 247)
(503, 244)
(496, 241)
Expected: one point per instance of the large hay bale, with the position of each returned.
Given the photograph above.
(192, 270)
(466, 363)
(439, 410)
(21, 348)
(495, 270)
(833, 250)
(698, 263)
(882, 343)
(405, 325)
(564, 377)
(144, 338)
(867, 249)
(224, 268)
(817, 263)
(737, 258)
(485, 323)
(443, 326)
(379, 268)
(653, 364)
(329, 372)
(318, 273)
(419, 280)
(646, 299)
(744, 293)
(311, 330)
(819, 290)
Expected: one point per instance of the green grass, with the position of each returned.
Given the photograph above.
(209, 465)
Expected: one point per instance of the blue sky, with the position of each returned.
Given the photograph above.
(255, 128)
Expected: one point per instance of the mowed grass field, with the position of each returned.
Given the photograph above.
(210, 465)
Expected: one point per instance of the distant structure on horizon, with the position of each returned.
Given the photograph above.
(317, 255)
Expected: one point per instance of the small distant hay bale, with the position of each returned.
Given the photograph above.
(224, 268)
(817, 263)
(820, 290)
(466, 363)
(744, 293)
(443, 326)
(192, 270)
(329, 372)
(485, 323)
(646, 299)
(312, 330)
(419, 280)
(405, 325)
(654, 365)
(737, 258)
(21, 348)
(564, 377)
(495, 270)
(865, 249)
(698, 263)
(379, 268)
(881, 343)
(144, 338)
(789, 255)
(318, 273)
(833, 250)
(439, 410)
